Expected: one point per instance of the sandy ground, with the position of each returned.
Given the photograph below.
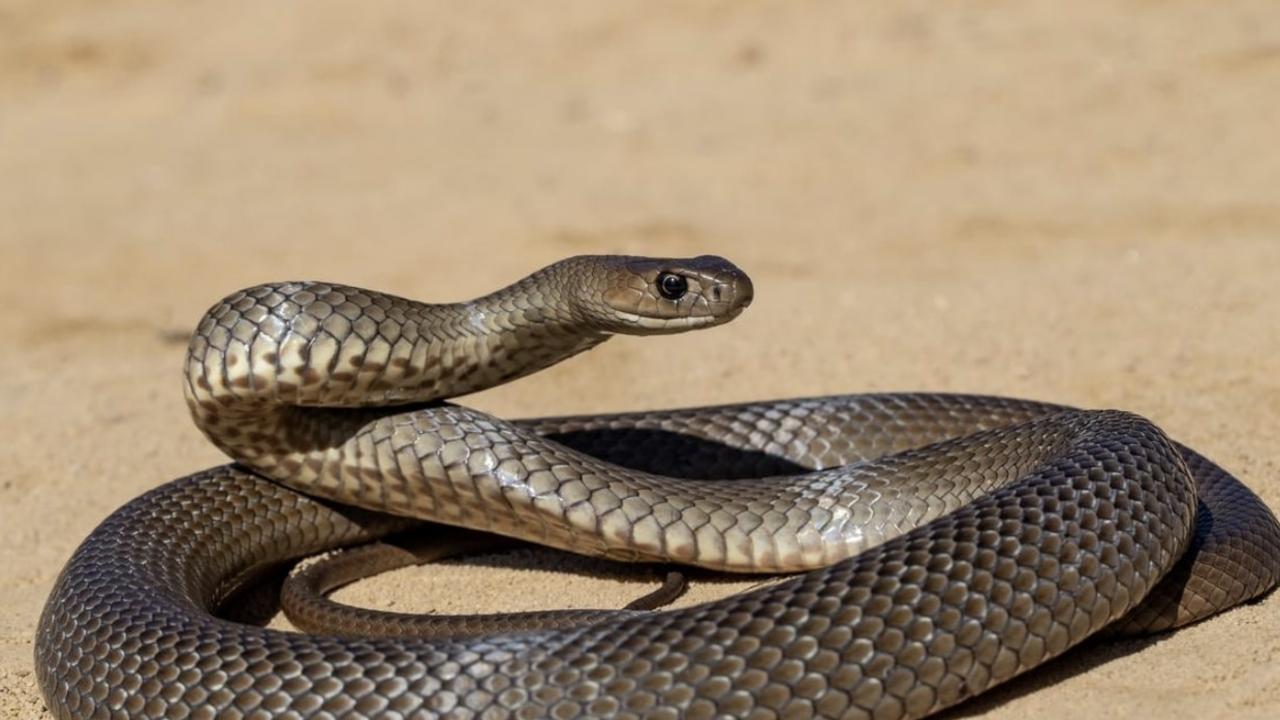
(1076, 205)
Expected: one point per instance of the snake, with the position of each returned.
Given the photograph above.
(937, 545)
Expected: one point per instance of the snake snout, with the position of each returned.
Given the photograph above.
(731, 289)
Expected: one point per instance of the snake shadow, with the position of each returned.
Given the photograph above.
(674, 454)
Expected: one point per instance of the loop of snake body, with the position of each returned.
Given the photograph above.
(946, 543)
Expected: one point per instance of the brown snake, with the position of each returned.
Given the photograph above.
(948, 543)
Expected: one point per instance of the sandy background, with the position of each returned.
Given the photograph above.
(1079, 205)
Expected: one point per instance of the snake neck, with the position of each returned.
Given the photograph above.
(270, 358)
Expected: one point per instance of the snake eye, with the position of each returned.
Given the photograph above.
(672, 286)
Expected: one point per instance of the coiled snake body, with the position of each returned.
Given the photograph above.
(948, 543)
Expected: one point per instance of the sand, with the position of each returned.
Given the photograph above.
(1072, 203)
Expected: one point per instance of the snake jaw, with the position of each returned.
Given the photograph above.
(637, 324)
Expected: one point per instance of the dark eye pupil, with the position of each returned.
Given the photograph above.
(672, 286)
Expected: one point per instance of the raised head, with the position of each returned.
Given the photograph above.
(653, 296)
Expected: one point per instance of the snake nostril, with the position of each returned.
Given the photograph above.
(715, 293)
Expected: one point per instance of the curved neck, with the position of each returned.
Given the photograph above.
(507, 334)
(494, 344)
(263, 358)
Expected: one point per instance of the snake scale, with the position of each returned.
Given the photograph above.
(944, 543)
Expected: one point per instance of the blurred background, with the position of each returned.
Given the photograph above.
(1071, 202)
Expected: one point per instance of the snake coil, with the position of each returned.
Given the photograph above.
(946, 543)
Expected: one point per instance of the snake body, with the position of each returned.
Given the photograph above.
(947, 542)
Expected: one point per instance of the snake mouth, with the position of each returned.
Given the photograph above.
(658, 325)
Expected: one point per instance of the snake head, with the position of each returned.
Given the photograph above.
(653, 296)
